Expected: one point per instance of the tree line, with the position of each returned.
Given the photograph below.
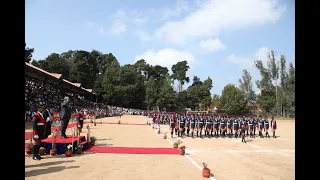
(144, 86)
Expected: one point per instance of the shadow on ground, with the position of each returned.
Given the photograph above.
(48, 164)
(48, 170)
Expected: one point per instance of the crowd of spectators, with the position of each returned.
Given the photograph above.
(40, 93)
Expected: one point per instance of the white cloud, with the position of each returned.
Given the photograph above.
(165, 57)
(247, 61)
(181, 6)
(212, 45)
(143, 35)
(215, 16)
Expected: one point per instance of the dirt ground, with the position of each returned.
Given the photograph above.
(227, 158)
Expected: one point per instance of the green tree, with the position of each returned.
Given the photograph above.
(179, 71)
(246, 86)
(232, 99)
(28, 53)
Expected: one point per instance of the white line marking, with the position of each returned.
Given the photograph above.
(283, 139)
(191, 160)
(260, 147)
(197, 165)
(283, 154)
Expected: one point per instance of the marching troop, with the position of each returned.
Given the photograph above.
(207, 125)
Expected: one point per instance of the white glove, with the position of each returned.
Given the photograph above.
(36, 137)
(48, 119)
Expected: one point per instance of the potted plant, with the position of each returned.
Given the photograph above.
(29, 147)
(87, 126)
(79, 149)
(94, 123)
(165, 136)
(42, 151)
(68, 150)
(92, 140)
(182, 150)
(91, 121)
(158, 131)
(205, 170)
(119, 122)
(53, 150)
(176, 144)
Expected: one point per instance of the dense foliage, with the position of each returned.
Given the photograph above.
(144, 86)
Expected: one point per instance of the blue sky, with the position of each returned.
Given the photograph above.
(219, 38)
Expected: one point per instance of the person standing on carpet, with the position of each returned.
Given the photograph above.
(39, 130)
(80, 118)
(65, 115)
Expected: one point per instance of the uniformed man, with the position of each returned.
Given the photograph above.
(39, 130)
(273, 127)
(255, 125)
(65, 116)
(243, 133)
(207, 126)
(177, 119)
(80, 119)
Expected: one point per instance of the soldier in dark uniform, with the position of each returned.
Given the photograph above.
(207, 126)
(172, 125)
(255, 125)
(236, 127)
(192, 125)
(266, 126)
(243, 133)
(39, 121)
(251, 126)
(177, 119)
(201, 124)
(216, 124)
(273, 127)
(197, 119)
(211, 125)
(187, 119)
(223, 126)
(261, 126)
(65, 115)
(247, 124)
(182, 125)
(80, 119)
(229, 124)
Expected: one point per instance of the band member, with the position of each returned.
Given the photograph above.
(192, 125)
(246, 122)
(216, 123)
(223, 126)
(261, 126)
(229, 124)
(251, 126)
(39, 131)
(201, 124)
(207, 126)
(172, 125)
(236, 127)
(266, 126)
(273, 127)
(243, 133)
(211, 125)
(182, 125)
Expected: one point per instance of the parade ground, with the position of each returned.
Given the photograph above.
(228, 158)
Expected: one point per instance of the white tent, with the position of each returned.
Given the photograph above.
(215, 108)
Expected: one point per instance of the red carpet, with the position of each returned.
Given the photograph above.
(27, 135)
(122, 123)
(132, 150)
(59, 140)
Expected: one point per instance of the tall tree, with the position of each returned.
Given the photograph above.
(246, 86)
(274, 74)
(179, 71)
